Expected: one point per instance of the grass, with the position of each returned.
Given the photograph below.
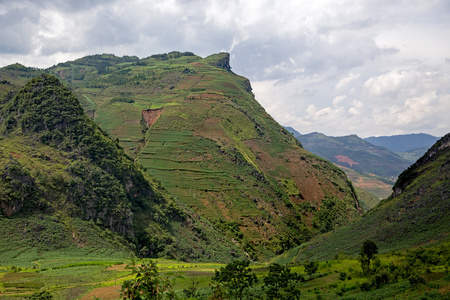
(74, 280)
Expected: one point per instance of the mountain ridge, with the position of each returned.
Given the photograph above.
(213, 148)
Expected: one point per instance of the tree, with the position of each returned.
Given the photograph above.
(147, 284)
(367, 255)
(281, 283)
(311, 267)
(235, 277)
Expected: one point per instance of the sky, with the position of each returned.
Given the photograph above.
(338, 67)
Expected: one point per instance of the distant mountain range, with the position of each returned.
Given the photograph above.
(404, 142)
(417, 214)
(375, 160)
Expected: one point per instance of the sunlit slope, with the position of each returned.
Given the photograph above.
(197, 128)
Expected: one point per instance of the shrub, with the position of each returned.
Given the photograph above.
(235, 277)
(147, 284)
(311, 267)
(281, 283)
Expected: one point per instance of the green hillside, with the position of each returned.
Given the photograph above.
(195, 127)
(416, 214)
(69, 185)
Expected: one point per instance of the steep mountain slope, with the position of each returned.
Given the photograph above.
(196, 127)
(416, 214)
(58, 166)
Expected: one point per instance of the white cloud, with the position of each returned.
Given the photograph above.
(337, 67)
(346, 81)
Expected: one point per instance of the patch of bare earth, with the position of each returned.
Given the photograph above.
(345, 159)
(104, 293)
(150, 116)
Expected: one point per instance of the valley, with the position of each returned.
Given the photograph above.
(107, 162)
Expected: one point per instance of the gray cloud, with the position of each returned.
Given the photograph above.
(334, 67)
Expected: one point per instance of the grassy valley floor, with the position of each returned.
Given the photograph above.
(68, 277)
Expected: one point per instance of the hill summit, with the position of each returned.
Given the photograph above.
(197, 129)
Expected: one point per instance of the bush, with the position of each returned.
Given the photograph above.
(147, 284)
(311, 267)
(281, 283)
(236, 277)
(415, 280)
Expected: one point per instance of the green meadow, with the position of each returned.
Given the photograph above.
(68, 276)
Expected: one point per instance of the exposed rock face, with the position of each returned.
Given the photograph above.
(150, 116)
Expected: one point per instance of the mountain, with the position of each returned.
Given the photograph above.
(416, 214)
(355, 153)
(196, 128)
(404, 142)
(65, 184)
(372, 169)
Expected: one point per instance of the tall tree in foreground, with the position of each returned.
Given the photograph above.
(148, 284)
(281, 283)
(235, 277)
(367, 254)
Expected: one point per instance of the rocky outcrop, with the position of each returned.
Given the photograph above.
(222, 62)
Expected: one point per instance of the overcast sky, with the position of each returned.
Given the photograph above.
(365, 67)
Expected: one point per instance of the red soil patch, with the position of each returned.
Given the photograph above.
(345, 159)
(150, 116)
(197, 64)
(104, 293)
(190, 82)
(211, 129)
(206, 96)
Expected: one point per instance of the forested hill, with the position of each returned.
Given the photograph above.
(56, 161)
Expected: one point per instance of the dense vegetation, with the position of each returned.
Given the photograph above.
(55, 160)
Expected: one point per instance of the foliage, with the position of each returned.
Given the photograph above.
(236, 277)
(311, 267)
(281, 283)
(367, 253)
(148, 284)
(416, 280)
(43, 295)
